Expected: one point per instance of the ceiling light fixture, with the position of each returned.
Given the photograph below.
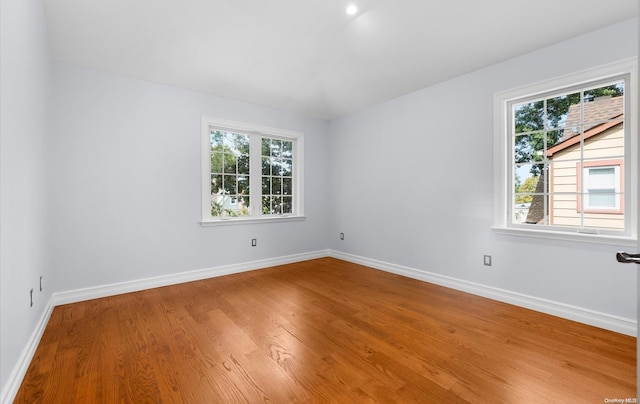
(352, 9)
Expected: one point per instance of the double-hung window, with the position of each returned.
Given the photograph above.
(603, 190)
(567, 156)
(250, 173)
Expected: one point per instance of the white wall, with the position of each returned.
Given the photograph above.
(126, 171)
(107, 187)
(25, 102)
(413, 185)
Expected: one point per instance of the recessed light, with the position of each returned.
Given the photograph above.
(352, 9)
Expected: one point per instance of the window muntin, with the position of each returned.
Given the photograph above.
(538, 168)
(230, 169)
(250, 172)
(552, 133)
(277, 176)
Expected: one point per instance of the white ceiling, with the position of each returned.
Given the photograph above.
(309, 56)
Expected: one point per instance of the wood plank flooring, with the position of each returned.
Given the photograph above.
(321, 331)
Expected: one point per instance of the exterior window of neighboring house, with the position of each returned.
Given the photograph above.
(603, 186)
(565, 166)
(250, 173)
(600, 188)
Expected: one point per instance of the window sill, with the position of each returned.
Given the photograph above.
(604, 239)
(253, 220)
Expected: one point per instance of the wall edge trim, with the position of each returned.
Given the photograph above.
(119, 288)
(583, 315)
(73, 296)
(14, 381)
(591, 317)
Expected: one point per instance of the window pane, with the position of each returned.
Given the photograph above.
(528, 117)
(287, 186)
(243, 165)
(602, 198)
(240, 144)
(276, 167)
(611, 90)
(243, 185)
(266, 166)
(554, 137)
(287, 204)
(286, 165)
(526, 177)
(266, 205)
(603, 104)
(242, 206)
(276, 186)
(266, 185)
(287, 149)
(276, 205)
(602, 177)
(216, 183)
(216, 138)
(520, 213)
(216, 205)
(531, 199)
(529, 148)
(562, 111)
(229, 165)
(276, 147)
(229, 184)
(216, 162)
(266, 147)
(563, 209)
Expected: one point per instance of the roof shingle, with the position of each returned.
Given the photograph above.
(596, 112)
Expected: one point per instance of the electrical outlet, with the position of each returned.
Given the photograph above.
(254, 242)
(487, 260)
(341, 236)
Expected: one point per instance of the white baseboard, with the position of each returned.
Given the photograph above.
(17, 375)
(113, 289)
(20, 370)
(602, 320)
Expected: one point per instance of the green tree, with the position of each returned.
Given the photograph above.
(536, 125)
(530, 121)
(528, 186)
(229, 170)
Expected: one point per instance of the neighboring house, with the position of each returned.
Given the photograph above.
(520, 212)
(228, 204)
(595, 187)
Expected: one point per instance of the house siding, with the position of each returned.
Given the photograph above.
(565, 209)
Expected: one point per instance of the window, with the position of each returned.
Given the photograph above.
(565, 166)
(250, 173)
(600, 188)
(277, 176)
(602, 182)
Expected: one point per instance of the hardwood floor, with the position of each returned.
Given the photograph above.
(321, 331)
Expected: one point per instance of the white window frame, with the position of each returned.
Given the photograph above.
(503, 153)
(255, 133)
